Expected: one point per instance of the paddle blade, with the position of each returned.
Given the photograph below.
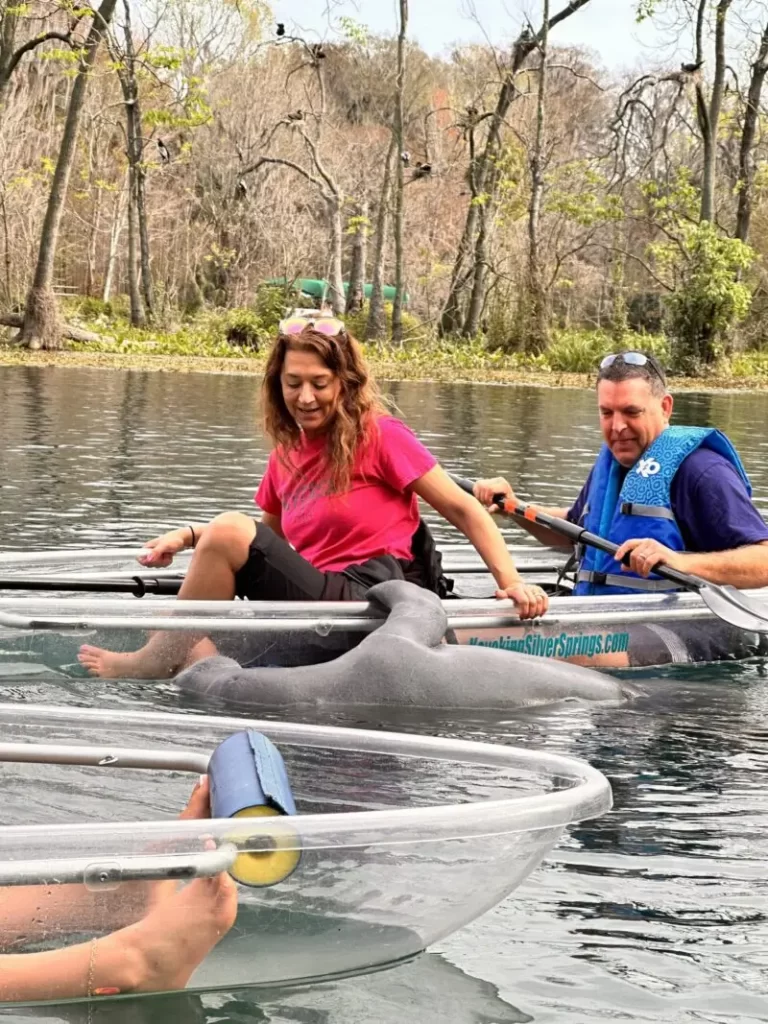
(734, 607)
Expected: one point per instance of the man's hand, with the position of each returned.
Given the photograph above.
(484, 491)
(644, 554)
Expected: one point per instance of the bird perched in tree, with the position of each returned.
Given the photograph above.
(405, 156)
(691, 69)
(297, 115)
(165, 156)
(472, 111)
(422, 171)
(280, 30)
(241, 189)
(317, 52)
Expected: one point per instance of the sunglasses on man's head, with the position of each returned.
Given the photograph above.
(633, 359)
(327, 325)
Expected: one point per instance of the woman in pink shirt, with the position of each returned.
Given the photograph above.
(339, 500)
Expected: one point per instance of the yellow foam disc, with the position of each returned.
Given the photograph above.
(270, 866)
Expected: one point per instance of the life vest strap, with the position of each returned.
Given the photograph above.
(603, 579)
(631, 508)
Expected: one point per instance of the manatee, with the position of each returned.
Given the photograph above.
(404, 662)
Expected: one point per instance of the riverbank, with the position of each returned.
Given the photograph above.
(383, 366)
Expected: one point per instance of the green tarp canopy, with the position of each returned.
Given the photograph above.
(318, 289)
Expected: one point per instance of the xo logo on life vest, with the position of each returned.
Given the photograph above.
(648, 467)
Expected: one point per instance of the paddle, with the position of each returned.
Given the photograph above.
(138, 586)
(728, 603)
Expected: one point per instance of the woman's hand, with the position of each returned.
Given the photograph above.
(486, 490)
(531, 600)
(162, 549)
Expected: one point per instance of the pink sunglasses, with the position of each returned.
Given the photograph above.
(327, 325)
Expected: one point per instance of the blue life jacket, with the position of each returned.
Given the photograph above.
(640, 507)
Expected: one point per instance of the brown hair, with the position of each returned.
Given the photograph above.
(358, 407)
(651, 371)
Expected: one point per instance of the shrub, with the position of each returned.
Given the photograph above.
(710, 299)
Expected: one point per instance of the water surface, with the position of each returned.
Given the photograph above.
(657, 911)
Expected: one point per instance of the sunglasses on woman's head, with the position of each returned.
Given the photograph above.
(633, 359)
(327, 325)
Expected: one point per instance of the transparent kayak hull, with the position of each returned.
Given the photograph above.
(403, 839)
(611, 632)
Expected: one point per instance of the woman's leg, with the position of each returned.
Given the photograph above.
(222, 550)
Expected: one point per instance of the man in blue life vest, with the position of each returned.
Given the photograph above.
(671, 494)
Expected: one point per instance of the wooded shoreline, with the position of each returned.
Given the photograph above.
(382, 368)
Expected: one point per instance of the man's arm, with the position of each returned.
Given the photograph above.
(726, 536)
(484, 491)
(744, 568)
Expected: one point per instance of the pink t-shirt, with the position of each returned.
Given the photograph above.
(376, 516)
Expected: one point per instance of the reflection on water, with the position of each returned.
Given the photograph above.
(656, 912)
(389, 997)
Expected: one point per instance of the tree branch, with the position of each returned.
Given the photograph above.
(318, 164)
(578, 74)
(637, 259)
(281, 162)
(32, 44)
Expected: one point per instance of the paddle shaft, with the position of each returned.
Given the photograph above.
(580, 535)
(137, 586)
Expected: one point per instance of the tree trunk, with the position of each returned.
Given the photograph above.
(136, 159)
(138, 230)
(336, 275)
(524, 45)
(118, 221)
(397, 305)
(377, 319)
(709, 118)
(357, 270)
(6, 247)
(42, 327)
(746, 167)
(8, 27)
(480, 263)
(537, 328)
(93, 243)
(116, 230)
(137, 311)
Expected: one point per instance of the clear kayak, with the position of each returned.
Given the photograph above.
(611, 632)
(400, 839)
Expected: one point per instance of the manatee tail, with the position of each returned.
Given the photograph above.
(414, 613)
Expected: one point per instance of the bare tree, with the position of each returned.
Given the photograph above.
(138, 228)
(377, 322)
(357, 270)
(397, 305)
(746, 160)
(317, 174)
(12, 17)
(452, 318)
(709, 113)
(537, 334)
(41, 327)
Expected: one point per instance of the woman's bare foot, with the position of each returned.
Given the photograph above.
(222, 551)
(153, 661)
(139, 664)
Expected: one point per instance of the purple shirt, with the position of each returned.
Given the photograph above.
(709, 502)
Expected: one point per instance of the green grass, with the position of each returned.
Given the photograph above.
(247, 333)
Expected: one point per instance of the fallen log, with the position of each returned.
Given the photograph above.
(69, 332)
